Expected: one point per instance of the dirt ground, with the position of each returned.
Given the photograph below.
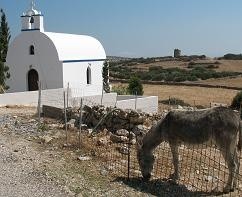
(39, 163)
(36, 160)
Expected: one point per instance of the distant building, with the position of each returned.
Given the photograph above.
(55, 59)
(177, 53)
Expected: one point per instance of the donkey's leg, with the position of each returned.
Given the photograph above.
(237, 164)
(174, 151)
(229, 156)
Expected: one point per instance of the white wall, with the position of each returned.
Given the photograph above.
(55, 98)
(144, 104)
(75, 74)
(45, 61)
(107, 100)
(19, 98)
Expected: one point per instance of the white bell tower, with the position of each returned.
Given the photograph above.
(32, 19)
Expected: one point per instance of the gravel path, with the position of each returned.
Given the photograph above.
(19, 175)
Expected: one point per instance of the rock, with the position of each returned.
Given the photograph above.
(123, 150)
(118, 139)
(46, 139)
(84, 126)
(103, 141)
(103, 172)
(208, 178)
(84, 158)
(133, 141)
(79, 195)
(54, 126)
(71, 123)
(179, 107)
(31, 121)
(131, 136)
(122, 132)
(111, 167)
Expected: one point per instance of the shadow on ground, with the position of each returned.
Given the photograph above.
(162, 188)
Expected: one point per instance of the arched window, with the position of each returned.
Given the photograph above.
(31, 50)
(32, 22)
(88, 75)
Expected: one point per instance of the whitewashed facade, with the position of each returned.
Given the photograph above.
(55, 59)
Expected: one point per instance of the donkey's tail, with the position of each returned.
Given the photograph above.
(240, 137)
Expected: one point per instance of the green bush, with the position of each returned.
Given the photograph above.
(135, 86)
(174, 101)
(237, 101)
(120, 89)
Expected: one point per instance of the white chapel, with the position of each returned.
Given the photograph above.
(54, 59)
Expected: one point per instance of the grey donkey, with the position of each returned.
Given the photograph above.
(220, 126)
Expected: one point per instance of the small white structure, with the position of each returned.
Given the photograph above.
(55, 59)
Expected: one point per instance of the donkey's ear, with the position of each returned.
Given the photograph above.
(139, 139)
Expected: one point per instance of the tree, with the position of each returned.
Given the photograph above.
(135, 86)
(105, 73)
(4, 41)
(237, 100)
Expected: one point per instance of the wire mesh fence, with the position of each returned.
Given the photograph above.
(203, 169)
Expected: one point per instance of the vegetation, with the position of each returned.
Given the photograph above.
(105, 74)
(174, 101)
(158, 73)
(231, 56)
(135, 86)
(236, 102)
(4, 41)
(120, 89)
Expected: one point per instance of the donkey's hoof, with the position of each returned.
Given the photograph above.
(174, 177)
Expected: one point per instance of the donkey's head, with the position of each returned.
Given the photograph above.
(145, 158)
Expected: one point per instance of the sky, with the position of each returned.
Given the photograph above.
(142, 28)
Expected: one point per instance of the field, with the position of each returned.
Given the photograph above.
(192, 94)
(225, 65)
(201, 96)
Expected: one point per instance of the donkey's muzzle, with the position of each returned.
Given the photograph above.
(146, 177)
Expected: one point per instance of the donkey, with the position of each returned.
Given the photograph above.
(219, 125)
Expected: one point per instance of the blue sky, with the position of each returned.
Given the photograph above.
(142, 28)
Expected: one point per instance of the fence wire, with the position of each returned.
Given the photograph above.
(203, 170)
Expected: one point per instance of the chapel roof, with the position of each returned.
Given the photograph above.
(71, 47)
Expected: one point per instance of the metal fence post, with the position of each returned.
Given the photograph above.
(65, 118)
(135, 100)
(80, 122)
(102, 97)
(39, 101)
(129, 151)
(67, 95)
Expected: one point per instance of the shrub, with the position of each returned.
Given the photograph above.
(120, 89)
(174, 101)
(135, 86)
(237, 101)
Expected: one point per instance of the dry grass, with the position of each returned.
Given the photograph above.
(201, 96)
(225, 65)
(230, 82)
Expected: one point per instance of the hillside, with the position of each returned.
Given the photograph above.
(200, 71)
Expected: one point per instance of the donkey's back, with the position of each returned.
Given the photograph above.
(220, 123)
